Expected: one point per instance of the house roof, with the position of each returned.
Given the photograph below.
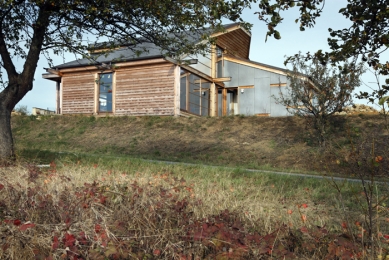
(121, 54)
(127, 52)
(255, 64)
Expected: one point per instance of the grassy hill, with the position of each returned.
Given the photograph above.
(97, 200)
(249, 142)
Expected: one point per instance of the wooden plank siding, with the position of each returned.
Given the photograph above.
(237, 43)
(78, 93)
(145, 90)
(138, 90)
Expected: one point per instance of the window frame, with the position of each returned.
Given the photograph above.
(110, 92)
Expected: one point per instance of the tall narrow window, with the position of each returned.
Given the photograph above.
(105, 92)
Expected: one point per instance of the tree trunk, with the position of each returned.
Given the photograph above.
(320, 127)
(7, 153)
(19, 83)
(9, 97)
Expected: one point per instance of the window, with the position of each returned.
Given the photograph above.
(105, 92)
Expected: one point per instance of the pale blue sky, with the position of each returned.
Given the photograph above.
(272, 52)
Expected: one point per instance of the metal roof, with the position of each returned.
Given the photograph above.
(131, 52)
(119, 55)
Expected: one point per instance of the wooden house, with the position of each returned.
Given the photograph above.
(222, 82)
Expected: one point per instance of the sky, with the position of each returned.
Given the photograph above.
(272, 52)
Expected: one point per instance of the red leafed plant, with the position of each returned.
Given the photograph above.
(149, 220)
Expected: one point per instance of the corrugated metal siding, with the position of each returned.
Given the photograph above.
(257, 100)
(78, 93)
(231, 69)
(241, 75)
(246, 75)
(263, 96)
(261, 73)
(145, 90)
(247, 101)
(278, 109)
(276, 78)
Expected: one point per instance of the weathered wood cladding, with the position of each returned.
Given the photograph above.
(139, 90)
(145, 90)
(78, 93)
(237, 43)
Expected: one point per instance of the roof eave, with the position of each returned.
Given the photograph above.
(230, 29)
(108, 61)
(51, 76)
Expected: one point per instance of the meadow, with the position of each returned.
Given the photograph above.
(110, 204)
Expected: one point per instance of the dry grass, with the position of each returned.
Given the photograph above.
(105, 207)
(149, 213)
(250, 142)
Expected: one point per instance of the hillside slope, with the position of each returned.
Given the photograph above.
(251, 142)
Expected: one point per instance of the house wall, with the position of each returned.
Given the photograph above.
(259, 88)
(145, 90)
(78, 93)
(138, 90)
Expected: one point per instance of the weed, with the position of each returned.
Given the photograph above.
(96, 210)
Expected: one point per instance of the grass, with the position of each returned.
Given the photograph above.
(228, 141)
(270, 216)
(97, 193)
(291, 187)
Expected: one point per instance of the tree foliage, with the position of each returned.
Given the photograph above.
(367, 38)
(270, 13)
(317, 90)
(29, 28)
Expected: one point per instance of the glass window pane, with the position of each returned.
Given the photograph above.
(105, 95)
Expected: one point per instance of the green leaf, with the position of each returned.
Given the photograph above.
(383, 100)
(277, 35)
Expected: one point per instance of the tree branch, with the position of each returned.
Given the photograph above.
(40, 28)
(6, 57)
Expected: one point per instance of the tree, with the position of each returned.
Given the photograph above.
(29, 28)
(317, 90)
(379, 93)
(366, 38)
